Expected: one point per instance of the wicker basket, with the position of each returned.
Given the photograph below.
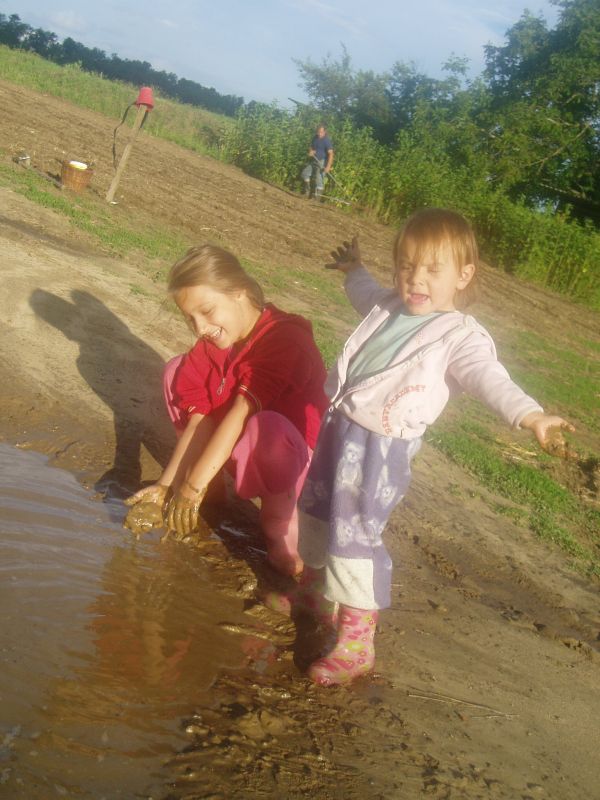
(76, 175)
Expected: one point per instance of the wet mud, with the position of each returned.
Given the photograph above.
(143, 517)
(101, 658)
(141, 668)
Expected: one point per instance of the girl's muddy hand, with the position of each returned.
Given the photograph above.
(555, 443)
(183, 513)
(347, 257)
(149, 494)
(547, 429)
(146, 510)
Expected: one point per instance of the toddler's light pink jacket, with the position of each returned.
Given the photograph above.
(450, 354)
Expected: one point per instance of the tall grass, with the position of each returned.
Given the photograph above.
(188, 126)
(540, 246)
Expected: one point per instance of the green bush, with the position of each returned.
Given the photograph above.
(421, 169)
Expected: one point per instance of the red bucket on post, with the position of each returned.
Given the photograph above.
(145, 97)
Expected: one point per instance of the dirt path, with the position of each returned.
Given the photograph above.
(487, 682)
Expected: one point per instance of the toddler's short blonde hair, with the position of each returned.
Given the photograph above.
(430, 228)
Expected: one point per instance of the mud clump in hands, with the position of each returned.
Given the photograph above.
(143, 517)
(146, 509)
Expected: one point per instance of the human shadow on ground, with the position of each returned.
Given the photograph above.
(125, 373)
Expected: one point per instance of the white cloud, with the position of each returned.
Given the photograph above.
(248, 53)
(356, 26)
(68, 21)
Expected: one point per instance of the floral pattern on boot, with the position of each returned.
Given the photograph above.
(354, 653)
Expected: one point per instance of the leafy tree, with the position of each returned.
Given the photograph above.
(340, 92)
(42, 42)
(409, 90)
(12, 30)
(543, 120)
(330, 84)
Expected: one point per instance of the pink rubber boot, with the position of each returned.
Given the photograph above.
(354, 653)
(305, 598)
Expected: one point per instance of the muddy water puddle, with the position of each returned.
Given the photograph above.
(106, 642)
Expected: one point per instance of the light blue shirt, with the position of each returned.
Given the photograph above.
(378, 352)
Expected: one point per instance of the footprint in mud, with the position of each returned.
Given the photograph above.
(512, 614)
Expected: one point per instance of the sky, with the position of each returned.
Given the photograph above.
(247, 47)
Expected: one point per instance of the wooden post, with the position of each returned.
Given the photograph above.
(141, 113)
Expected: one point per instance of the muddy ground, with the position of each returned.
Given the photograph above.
(487, 675)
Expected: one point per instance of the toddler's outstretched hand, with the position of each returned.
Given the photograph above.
(547, 429)
(346, 257)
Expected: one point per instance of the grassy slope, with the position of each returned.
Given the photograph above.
(534, 493)
(185, 125)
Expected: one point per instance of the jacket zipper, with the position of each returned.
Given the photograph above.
(341, 394)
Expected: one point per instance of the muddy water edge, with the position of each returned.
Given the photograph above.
(108, 642)
(126, 673)
(140, 669)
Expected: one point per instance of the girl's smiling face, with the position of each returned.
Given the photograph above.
(427, 279)
(218, 317)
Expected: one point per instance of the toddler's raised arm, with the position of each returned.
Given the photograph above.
(346, 257)
(362, 289)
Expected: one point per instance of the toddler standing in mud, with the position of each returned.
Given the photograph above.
(248, 396)
(396, 372)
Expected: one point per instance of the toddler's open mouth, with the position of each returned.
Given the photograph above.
(417, 299)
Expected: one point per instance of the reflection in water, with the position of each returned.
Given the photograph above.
(106, 642)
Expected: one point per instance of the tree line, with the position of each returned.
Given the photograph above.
(529, 123)
(516, 149)
(17, 34)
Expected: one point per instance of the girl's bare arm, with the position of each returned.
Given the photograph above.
(182, 512)
(217, 450)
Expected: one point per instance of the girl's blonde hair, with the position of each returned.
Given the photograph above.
(431, 228)
(209, 265)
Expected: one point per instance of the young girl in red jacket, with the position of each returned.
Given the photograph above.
(248, 396)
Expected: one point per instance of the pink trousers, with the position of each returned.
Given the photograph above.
(270, 461)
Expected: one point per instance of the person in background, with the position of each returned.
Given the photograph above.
(413, 350)
(321, 155)
(248, 396)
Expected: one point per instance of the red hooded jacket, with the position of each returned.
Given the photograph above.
(278, 367)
